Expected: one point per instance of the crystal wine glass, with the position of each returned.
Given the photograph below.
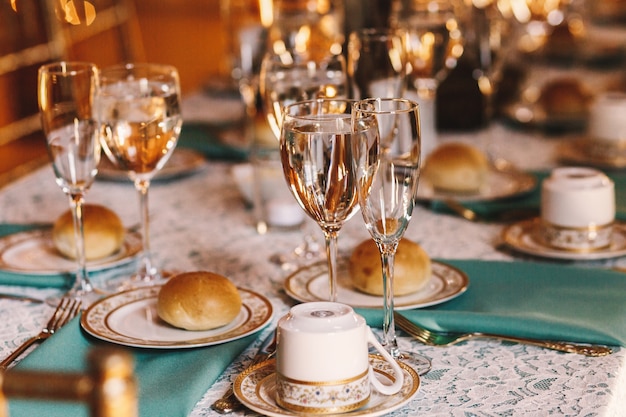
(139, 107)
(289, 76)
(434, 45)
(387, 199)
(66, 96)
(377, 63)
(317, 158)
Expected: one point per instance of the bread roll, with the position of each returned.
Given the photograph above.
(456, 167)
(412, 268)
(198, 301)
(565, 98)
(104, 232)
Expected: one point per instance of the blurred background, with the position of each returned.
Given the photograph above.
(534, 63)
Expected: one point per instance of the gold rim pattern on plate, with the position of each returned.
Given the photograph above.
(447, 282)
(100, 318)
(500, 184)
(523, 237)
(39, 243)
(256, 386)
(578, 151)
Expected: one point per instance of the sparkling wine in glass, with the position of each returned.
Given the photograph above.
(388, 195)
(66, 96)
(139, 108)
(317, 146)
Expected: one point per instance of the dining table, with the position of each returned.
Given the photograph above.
(201, 221)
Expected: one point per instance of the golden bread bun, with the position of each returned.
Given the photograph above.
(104, 232)
(456, 167)
(564, 98)
(412, 268)
(198, 301)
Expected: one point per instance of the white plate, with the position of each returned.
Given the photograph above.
(522, 236)
(311, 284)
(130, 318)
(256, 388)
(578, 151)
(182, 162)
(33, 252)
(499, 184)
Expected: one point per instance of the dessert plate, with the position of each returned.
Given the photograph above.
(130, 318)
(33, 252)
(522, 236)
(182, 162)
(256, 387)
(579, 151)
(311, 284)
(499, 184)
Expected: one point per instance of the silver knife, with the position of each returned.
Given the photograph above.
(229, 402)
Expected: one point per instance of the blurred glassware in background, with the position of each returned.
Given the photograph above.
(435, 43)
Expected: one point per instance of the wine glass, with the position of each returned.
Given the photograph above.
(377, 63)
(66, 96)
(388, 195)
(317, 156)
(289, 76)
(139, 108)
(434, 45)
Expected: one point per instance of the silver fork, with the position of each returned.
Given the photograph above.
(437, 338)
(67, 309)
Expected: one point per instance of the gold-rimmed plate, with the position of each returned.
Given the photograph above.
(256, 389)
(130, 318)
(523, 237)
(182, 162)
(580, 151)
(499, 184)
(311, 284)
(33, 252)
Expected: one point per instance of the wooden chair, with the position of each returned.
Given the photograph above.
(107, 387)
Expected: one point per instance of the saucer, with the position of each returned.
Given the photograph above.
(577, 151)
(256, 387)
(500, 184)
(522, 237)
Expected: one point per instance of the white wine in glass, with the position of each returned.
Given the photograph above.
(66, 96)
(139, 108)
(317, 151)
(388, 197)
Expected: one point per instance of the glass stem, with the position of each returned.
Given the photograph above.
(81, 284)
(147, 272)
(387, 256)
(331, 254)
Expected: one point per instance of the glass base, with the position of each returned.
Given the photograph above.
(86, 298)
(421, 364)
(137, 281)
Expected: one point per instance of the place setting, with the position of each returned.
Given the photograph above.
(577, 220)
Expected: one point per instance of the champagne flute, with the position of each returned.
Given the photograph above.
(388, 197)
(289, 76)
(139, 108)
(66, 96)
(317, 158)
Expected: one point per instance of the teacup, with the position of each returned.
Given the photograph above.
(607, 127)
(577, 209)
(322, 360)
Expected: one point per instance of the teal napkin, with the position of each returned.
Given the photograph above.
(202, 138)
(539, 300)
(490, 209)
(11, 278)
(170, 382)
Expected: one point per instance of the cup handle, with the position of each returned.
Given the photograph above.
(397, 370)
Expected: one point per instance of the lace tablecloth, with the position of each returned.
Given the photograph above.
(201, 222)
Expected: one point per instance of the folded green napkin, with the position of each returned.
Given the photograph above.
(539, 300)
(202, 138)
(532, 200)
(170, 382)
(11, 278)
